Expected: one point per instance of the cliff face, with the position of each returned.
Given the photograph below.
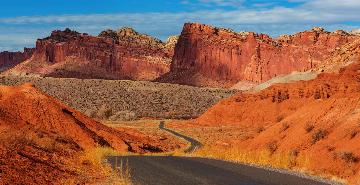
(122, 54)
(318, 118)
(209, 56)
(11, 59)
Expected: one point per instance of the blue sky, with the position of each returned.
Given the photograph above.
(22, 22)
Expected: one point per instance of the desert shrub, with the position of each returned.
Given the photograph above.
(104, 112)
(260, 129)
(271, 147)
(279, 118)
(294, 152)
(348, 157)
(353, 133)
(119, 176)
(90, 113)
(123, 116)
(284, 127)
(309, 128)
(319, 135)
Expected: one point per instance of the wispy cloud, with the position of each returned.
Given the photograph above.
(275, 20)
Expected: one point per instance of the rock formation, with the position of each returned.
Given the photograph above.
(11, 59)
(209, 56)
(122, 54)
(317, 119)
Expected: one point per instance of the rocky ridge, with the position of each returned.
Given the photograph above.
(122, 54)
(210, 56)
(316, 119)
(11, 59)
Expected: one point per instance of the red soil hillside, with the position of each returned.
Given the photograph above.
(122, 54)
(318, 119)
(11, 59)
(209, 56)
(41, 139)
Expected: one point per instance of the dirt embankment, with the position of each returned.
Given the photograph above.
(42, 141)
(126, 100)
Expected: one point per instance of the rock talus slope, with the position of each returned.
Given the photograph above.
(122, 54)
(209, 56)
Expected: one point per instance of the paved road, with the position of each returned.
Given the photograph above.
(168, 170)
(194, 143)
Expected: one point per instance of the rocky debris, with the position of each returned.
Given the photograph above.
(210, 56)
(130, 35)
(126, 100)
(122, 54)
(11, 59)
(110, 34)
(171, 41)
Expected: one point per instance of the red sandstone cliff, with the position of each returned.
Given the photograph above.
(122, 54)
(318, 119)
(209, 56)
(11, 59)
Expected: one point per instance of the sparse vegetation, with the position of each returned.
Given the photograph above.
(119, 176)
(353, 133)
(309, 128)
(348, 157)
(281, 160)
(271, 147)
(260, 129)
(279, 118)
(285, 126)
(126, 100)
(104, 112)
(319, 135)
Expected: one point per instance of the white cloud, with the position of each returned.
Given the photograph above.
(22, 31)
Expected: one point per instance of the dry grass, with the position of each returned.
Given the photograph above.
(265, 158)
(119, 176)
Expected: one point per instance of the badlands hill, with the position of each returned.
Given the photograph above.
(41, 140)
(318, 119)
(210, 56)
(121, 54)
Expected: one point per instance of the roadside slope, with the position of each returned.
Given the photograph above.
(314, 121)
(42, 141)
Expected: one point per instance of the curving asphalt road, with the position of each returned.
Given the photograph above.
(169, 170)
(194, 144)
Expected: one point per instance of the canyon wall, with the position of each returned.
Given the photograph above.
(209, 56)
(11, 59)
(122, 54)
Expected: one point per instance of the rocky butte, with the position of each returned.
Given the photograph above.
(217, 57)
(11, 59)
(121, 54)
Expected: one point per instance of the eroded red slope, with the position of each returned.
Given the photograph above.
(316, 119)
(42, 140)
